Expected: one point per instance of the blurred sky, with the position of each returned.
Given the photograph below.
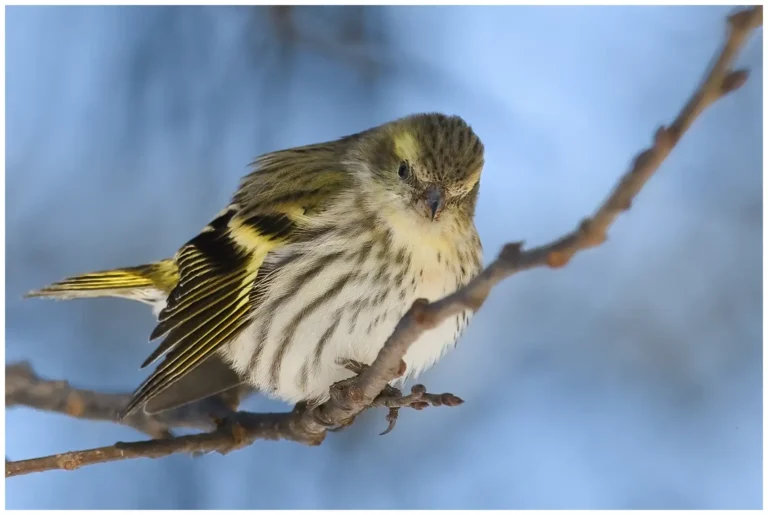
(630, 379)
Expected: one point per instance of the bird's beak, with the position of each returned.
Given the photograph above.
(434, 198)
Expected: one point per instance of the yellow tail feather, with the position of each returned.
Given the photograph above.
(145, 283)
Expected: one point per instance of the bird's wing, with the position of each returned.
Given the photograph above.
(220, 270)
(211, 302)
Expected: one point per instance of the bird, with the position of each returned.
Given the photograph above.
(320, 252)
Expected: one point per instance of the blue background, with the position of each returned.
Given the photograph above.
(630, 379)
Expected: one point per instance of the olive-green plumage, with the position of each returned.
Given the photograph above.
(321, 250)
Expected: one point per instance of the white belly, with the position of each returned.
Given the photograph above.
(345, 310)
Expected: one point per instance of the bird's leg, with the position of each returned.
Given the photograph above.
(358, 368)
(388, 393)
(390, 397)
(353, 366)
(336, 389)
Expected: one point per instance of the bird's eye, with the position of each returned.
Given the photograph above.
(404, 171)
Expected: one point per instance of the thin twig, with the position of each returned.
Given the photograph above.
(309, 426)
(23, 387)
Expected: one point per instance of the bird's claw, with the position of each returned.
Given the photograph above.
(390, 392)
(392, 419)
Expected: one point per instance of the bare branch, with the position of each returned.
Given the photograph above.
(231, 431)
(25, 388)
(371, 387)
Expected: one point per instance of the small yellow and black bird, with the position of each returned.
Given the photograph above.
(319, 254)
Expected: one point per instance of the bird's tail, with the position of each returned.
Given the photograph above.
(146, 283)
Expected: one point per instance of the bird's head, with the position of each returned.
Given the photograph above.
(425, 166)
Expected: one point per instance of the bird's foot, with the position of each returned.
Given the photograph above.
(390, 397)
(418, 399)
(358, 368)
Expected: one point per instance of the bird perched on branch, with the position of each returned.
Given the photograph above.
(321, 251)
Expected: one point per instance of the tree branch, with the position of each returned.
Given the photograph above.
(25, 388)
(310, 425)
